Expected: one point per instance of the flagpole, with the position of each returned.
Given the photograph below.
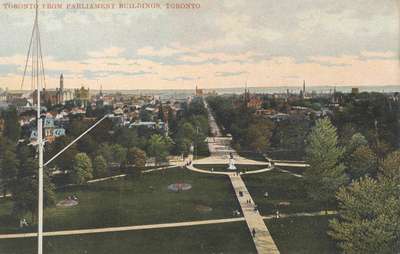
(40, 137)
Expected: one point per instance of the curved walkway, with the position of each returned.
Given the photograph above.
(204, 171)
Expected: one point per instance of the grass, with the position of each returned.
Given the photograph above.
(136, 201)
(218, 238)
(224, 167)
(277, 154)
(252, 155)
(281, 187)
(302, 235)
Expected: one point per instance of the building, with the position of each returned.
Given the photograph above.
(54, 97)
(82, 95)
(355, 90)
(250, 101)
(199, 92)
(303, 93)
(3, 95)
(50, 131)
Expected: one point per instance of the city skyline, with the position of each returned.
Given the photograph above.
(219, 45)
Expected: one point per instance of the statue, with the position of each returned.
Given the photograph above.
(231, 163)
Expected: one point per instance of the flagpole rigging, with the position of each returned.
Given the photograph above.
(37, 82)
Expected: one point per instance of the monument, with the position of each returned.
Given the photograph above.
(231, 162)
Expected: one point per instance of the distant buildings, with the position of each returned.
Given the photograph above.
(252, 101)
(199, 92)
(54, 97)
(82, 95)
(355, 90)
(52, 128)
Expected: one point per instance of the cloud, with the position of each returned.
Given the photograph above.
(162, 52)
(107, 52)
(375, 54)
(273, 42)
(136, 73)
(227, 74)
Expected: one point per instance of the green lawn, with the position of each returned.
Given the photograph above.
(286, 154)
(136, 201)
(224, 167)
(218, 238)
(302, 235)
(281, 187)
(252, 155)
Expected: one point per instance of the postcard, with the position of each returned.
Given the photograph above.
(199, 126)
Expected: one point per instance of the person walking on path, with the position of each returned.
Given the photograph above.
(253, 232)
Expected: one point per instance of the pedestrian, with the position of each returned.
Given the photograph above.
(253, 232)
(277, 214)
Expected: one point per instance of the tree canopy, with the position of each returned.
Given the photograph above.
(326, 173)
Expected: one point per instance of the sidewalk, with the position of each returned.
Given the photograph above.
(262, 240)
(119, 229)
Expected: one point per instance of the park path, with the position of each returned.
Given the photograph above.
(124, 228)
(262, 238)
(220, 149)
(154, 226)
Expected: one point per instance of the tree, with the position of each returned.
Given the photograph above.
(291, 134)
(363, 225)
(158, 147)
(64, 160)
(325, 174)
(87, 144)
(184, 137)
(137, 157)
(390, 169)
(258, 136)
(145, 116)
(363, 161)
(12, 129)
(127, 137)
(161, 115)
(99, 166)
(105, 151)
(9, 165)
(77, 127)
(356, 141)
(118, 154)
(101, 133)
(82, 169)
(24, 195)
(369, 212)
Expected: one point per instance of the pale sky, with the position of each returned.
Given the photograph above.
(221, 44)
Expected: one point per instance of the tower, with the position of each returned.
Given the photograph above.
(304, 88)
(61, 95)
